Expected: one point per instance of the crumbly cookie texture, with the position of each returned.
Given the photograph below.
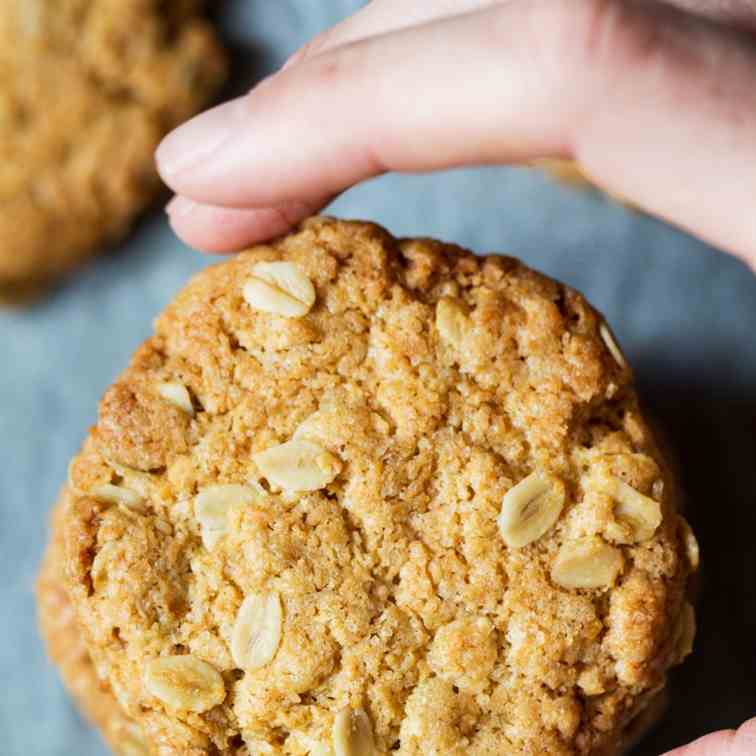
(87, 90)
(418, 512)
(96, 701)
(59, 628)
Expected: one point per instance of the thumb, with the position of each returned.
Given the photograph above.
(740, 742)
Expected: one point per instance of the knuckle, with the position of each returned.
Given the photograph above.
(561, 31)
(591, 36)
(611, 36)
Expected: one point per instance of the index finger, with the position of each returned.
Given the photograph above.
(383, 16)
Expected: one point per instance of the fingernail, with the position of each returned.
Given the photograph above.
(179, 206)
(195, 141)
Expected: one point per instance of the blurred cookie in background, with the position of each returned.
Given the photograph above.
(87, 90)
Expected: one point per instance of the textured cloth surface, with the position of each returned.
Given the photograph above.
(685, 314)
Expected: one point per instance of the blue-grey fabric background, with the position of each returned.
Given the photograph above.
(685, 314)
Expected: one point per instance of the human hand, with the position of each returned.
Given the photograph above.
(657, 104)
(740, 742)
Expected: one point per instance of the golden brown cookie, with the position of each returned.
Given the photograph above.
(87, 90)
(95, 699)
(62, 637)
(366, 495)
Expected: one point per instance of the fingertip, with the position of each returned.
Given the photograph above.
(179, 206)
(223, 230)
(212, 229)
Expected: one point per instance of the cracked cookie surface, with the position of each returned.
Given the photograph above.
(87, 90)
(318, 539)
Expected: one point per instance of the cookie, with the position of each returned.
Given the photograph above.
(367, 495)
(87, 90)
(66, 649)
(94, 697)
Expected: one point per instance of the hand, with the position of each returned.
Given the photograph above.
(740, 742)
(657, 104)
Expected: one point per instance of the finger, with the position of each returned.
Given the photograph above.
(657, 107)
(384, 16)
(383, 103)
(222, 229)
(740, 742)
(740, 13)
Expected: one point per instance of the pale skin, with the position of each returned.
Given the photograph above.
(657, 103)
